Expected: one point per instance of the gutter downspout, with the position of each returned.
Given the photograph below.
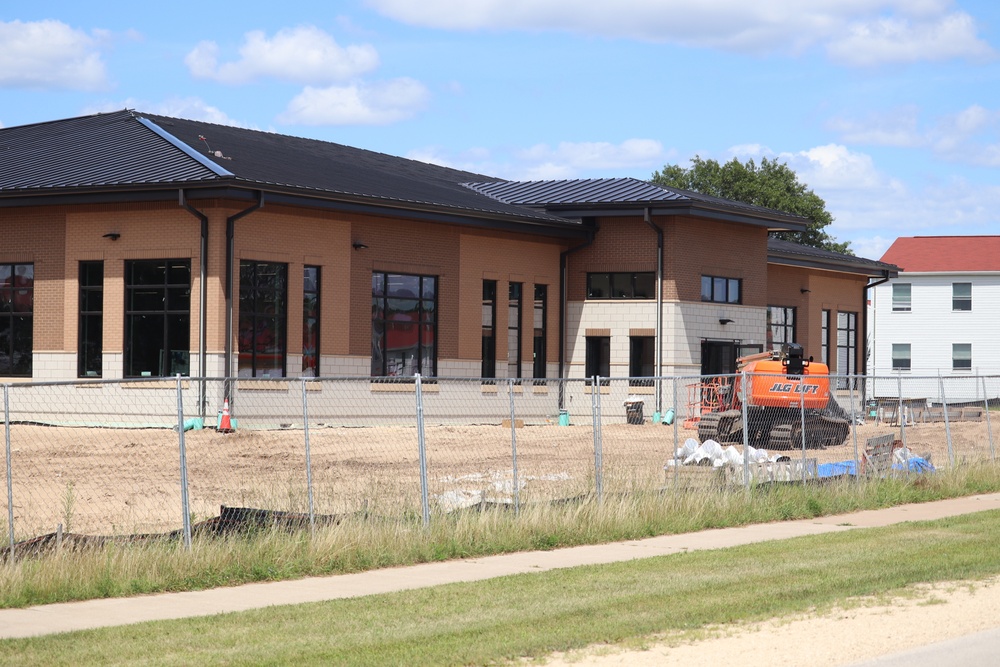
(864, 317)
(202, 295)
(563, 299)
(658, 357)
(230, 266)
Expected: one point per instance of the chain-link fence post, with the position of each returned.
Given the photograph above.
(677, 435)
(309, 472)
(947, 423)
(802, 427)
(595, 410)
(989, 427)
(746, 430)
(854, 423)
(513, 446)
(422, 450)
(185, 502)
(899, 411)
(10, 470)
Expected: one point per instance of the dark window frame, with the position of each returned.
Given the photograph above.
(489, 330)
(638, 365)
(515, 312)
(720, 289)
(311, 326)
(847, 323)
(174, 355)
(629, 282)
(598, 358)
(787, 329)
(261, 303)
(90, 324)
(540, 313)
(17, 324)
(825, 316)
(427, 318)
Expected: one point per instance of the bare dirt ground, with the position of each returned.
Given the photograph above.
(108, 480)
(868, 629)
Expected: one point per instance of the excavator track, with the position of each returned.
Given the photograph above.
(722, 426)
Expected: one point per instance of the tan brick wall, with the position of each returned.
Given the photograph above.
(36, 236)
(507, 259)
(692, 248)
(828, 290)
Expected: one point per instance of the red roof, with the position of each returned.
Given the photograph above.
(952, 254)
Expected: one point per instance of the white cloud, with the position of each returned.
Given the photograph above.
(357, 104)
(889, 40)
(49, 55)
(596, 155)
(969, 136)
(856, 32)
(304, 54)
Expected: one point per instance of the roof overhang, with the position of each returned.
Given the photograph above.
(775, 224)
(856, 268)
(216, 189)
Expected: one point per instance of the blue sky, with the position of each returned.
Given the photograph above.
(888, 109)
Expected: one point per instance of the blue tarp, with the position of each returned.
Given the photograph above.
(840, 468)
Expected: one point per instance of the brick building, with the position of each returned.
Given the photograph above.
(143, 246)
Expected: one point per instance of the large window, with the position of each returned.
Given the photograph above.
(489, 329)
(961, 356)
(263, 319)
(961, 296)
(825, 337)
(404, 324)
(157, 317)
(540, 318)
(901, 297)
(90, 339)
(310, 321)
(621, 285)
(17, 304)
(598, 356)
(900, 356)
(721, 290)
(514, 330)
(780, 326)
(641, 359)
(847, 347)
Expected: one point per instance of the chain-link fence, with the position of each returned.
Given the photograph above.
(147, 456)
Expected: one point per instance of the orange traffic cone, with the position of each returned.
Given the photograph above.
(225, 425)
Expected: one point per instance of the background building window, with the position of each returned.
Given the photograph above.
(90, 338)
(721, 290)
(622, 285)
(514, 330)
(961, 296)
(489, 329)
(901, 297)
(17, 304)
(157, 317)
(641, 360)
(961, 356)
(598, 356)
(847, 348)
(263, 319)
(540, 318)
(404, 325)
(780, 326)
(310, 321)
(900, 356)
(825, 337)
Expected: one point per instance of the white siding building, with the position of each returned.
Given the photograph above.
(939, 318)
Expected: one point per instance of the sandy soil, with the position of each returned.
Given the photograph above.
(844, 636)
(107, 480)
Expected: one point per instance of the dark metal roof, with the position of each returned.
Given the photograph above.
(103, 150)
(621, 192)
(780, 251)
(128, 148)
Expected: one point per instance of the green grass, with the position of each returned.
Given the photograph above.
(356, 546)
(533, 615)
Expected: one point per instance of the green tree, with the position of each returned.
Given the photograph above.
(771, 184)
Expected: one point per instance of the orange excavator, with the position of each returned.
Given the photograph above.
(784, 393)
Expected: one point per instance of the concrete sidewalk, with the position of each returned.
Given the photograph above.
(71, 616)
